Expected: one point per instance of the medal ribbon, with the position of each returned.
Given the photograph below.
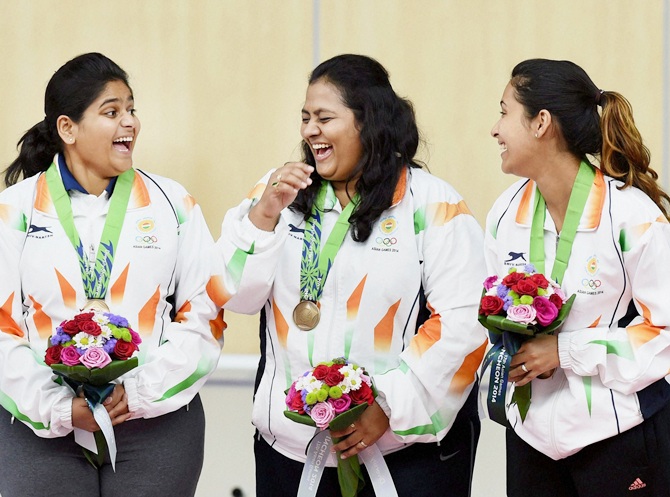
(316, 262)
(95, 279)
(500, 355)
(576, 204)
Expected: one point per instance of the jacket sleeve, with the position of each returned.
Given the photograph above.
(628, 359)
(246, 258)
(439, 368)
(172, 374)
(27, 387)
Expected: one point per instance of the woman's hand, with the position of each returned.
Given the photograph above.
(356, 437)
(537, 357)
(116, 404)
(285, 183)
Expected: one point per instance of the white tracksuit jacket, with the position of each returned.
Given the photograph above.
(614, 344)
(369, 309)
(160, 263)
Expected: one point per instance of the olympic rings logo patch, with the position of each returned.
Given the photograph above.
(386, 241)
(146, 239)
(592, 284)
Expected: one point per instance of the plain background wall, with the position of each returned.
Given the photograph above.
(219, 85)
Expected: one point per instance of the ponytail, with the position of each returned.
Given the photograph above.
(623, 155)
(36, 151)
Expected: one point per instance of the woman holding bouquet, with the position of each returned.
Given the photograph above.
(599, 415)
(80, 197)
(338, 253)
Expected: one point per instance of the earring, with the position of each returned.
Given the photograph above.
(71, 140)
(535, 135)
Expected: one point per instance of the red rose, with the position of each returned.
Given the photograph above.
(296, 404)
(53, 355)
(90, 327)
(511, 279)
(526, 287)
(70, 327)
(539, 280)
(123, 350)
(362, 395)
(490, 305)
(334, 376)
(556, 300)
(320, 372)
(84, 316)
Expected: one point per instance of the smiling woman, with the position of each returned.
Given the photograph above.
(74, 235)
(353, 253)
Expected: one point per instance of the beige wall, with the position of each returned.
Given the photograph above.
(219, 84)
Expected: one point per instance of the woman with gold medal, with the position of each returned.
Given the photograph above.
(72, 238)
(345, 254)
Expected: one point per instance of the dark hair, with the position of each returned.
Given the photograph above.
(388, 132)
(70, 91)
(566, 91)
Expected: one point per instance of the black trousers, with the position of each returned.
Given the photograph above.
(157, 457)
(419, 470)
(635, 463)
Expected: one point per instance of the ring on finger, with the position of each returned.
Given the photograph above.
(276, 183)
(524, 368)
(365, 446)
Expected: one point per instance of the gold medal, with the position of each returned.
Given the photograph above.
(306, 315)
(96, 305)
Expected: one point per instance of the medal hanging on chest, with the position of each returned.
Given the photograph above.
(95, 277)
(316, 262)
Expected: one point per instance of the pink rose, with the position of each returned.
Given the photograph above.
(334, 376)
(95, 357)
(136, 339)
(69, 356)
(90, 327)
(546, 312)
(342, 404)
(322, 413)
(490, 282)
(490, 305)
(524, 314)
(320, 372)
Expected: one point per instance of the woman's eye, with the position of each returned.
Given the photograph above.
(110, 113)
(325, 119)
(132, 112)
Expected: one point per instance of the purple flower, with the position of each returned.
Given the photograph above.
(545, 310)
(322, 413)
(502, 291)
(508, 302)
(109, 345)
(119, 321)
(95, 357)
(60, 337)
(69, 356)
(529, 268)
(524, 314)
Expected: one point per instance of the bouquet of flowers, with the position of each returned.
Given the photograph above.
(90, 351)
(333, 395)
(519, 306)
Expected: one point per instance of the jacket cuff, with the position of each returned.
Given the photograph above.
(134, 404)
(564, 357)
(61, 416)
